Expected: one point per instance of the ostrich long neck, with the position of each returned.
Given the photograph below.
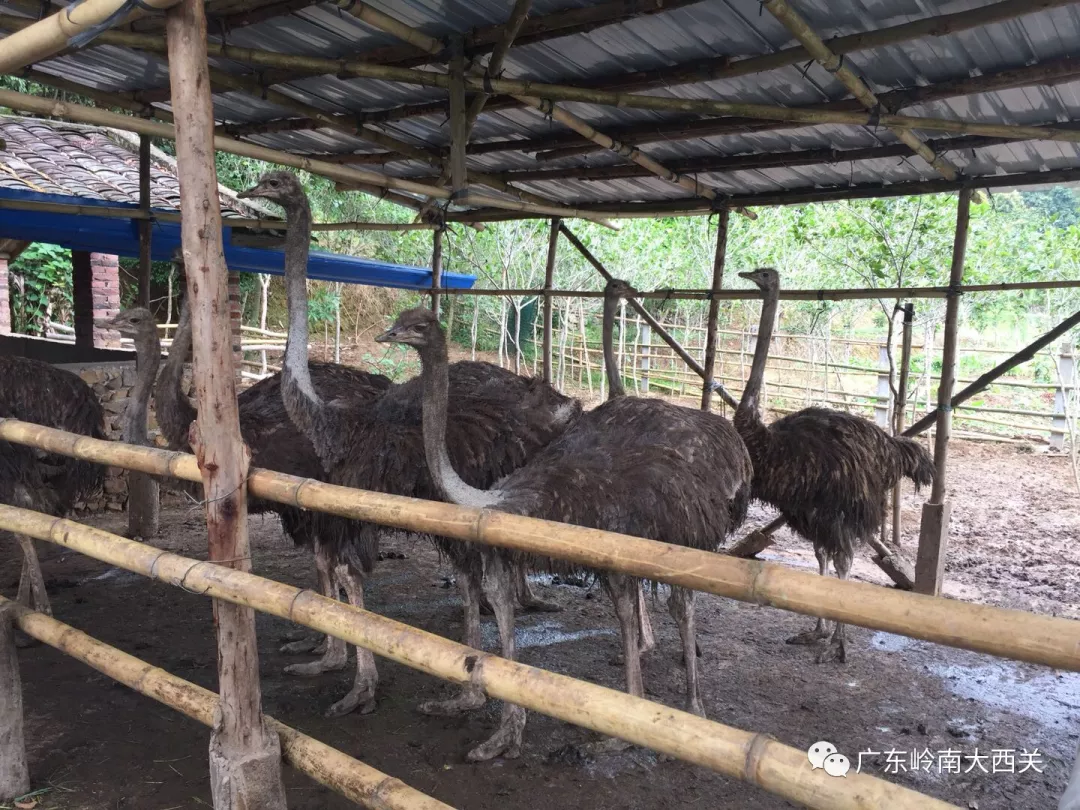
(297, 245)
(147, 360)
(748, 409)
(174, 411)
(435, 375)
(611, 367)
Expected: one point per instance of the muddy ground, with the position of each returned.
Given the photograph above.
(94, 745)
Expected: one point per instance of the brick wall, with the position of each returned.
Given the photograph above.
(96, 282)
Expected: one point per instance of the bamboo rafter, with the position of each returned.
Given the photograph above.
(755, 758)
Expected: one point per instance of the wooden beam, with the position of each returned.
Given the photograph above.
(834, 64)
(245, 756)
(934, 531)
(549, 280)
(719, 259)
(459, 121)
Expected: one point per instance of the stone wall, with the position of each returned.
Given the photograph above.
(112, 386)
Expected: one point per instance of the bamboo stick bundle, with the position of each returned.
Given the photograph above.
(756, 758)
(350, 777)
(982, 628)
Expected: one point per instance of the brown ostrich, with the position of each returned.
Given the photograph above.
(277, 444)
(501, 422)
(640, 467)
(37, 392)
(827, 471)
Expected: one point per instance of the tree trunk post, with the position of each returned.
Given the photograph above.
(14, 773)
(714, 306)
(934, 531)
(245, 757)
(145, 225)
(549, 279)
(901, 405)
(436, 267)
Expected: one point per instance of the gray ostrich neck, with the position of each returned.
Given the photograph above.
(435, 375)
(174, 411)
(297, 245)
(147, 361)
(611, 367)
(748, 405)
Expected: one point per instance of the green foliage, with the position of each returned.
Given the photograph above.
(322, 306)
(41, 288)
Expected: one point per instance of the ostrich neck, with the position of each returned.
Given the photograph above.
(174, 411)
(614, 377)
(297, 245)
(435, 375)
(748, 405)
(147, 360)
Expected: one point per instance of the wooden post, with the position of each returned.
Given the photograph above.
(14, 774)
(436, 268)
(934, 531)
(1066, 369)
(901, 404)
(714, 306)
(459, 119)
(144, 501)
(245, 757)
(549, 278)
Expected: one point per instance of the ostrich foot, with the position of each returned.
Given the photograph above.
(335, 658)
(361, 696)
(697, 652)
(307, 644)
(534, 604)
(506, 742)
(833, 651)
(810, 637)
(695, 706)
(468, 700)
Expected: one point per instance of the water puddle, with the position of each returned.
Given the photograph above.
(543, 634)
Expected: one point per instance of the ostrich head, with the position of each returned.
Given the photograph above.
(133, 323)
(280, 187)
(766, 278)
(418, 328)
(619, 289)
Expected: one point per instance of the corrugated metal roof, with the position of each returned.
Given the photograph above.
(694, 31)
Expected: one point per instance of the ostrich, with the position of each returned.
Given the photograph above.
(276, 444)
(37, 392)
(826, 471)
(500, 420)
(636, 466)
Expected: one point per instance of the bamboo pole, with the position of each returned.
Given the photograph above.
(755, 758)
(714, 307)
(245, 757)
(934, 531)
(834, 64)
(549, 277)
(982, 628)
(41, 39)
(341, 773)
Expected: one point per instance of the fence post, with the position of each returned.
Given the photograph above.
(14, 774)
(549, 278)
(884, 391)
(245, 755)
(1066, 370)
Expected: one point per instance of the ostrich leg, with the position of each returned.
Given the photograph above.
(362, 694)
(499, 588)
(819, 632)
(835, 650)
(646, 638)
(39, 599)
(1070, 799)
(308, 642)
(471, 696)
(528, 598)
(681, 606)
(336, 654)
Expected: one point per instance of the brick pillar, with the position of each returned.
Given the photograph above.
(235, 318)
(96, 282)
(5, 303)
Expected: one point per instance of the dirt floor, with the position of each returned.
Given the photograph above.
(95, 745)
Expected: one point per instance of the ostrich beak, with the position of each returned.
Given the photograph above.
(389, 336)
(249, 194)
(748, 275)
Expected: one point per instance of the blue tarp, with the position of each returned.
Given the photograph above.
(120, 237)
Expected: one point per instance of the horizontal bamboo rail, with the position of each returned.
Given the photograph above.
(350, 777)
(739, 754)
(982, 628)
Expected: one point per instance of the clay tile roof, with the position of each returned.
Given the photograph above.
(51, 157)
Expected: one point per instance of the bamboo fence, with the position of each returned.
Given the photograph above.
(350, 777)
